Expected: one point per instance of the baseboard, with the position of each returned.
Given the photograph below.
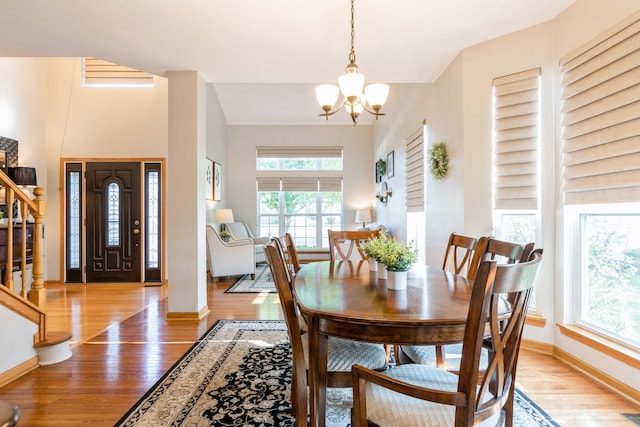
(18, 371)
(606, 380)
(616, 386)
(538, 347)
(188, 315)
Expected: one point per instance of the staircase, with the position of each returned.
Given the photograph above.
(23, 306)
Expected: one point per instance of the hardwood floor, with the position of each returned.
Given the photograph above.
(122, 344)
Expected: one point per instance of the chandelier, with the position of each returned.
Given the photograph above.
(351, 83)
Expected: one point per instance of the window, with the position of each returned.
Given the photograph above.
(610, 275)
(73, 222)
(304, 207)
(601, 180)
(153, 229)
(516, 158)
(297, 202)
(299, 158)
(99, 73)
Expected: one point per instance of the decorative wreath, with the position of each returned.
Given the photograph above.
(438, 160)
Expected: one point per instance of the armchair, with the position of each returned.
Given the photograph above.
(230, 258)
(240, 230)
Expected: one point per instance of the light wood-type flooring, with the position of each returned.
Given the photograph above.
(122, 344)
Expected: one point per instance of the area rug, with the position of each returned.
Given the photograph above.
(262, 283)
(239, 374)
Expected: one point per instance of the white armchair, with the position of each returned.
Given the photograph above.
(240, 230)
(230, 258)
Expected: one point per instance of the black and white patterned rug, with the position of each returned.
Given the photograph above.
(262, 283)
(239, 374)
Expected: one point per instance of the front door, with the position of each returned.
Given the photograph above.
(113, 222)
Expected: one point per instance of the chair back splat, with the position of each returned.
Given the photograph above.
(290, 252)
(339, 239)
(459, 252)
(468, 398)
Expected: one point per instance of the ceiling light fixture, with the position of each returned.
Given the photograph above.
(351, 84)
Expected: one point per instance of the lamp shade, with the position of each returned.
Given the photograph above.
(351, 83)
(363, 215)
(23, 176)
(377, 94)
(224, 216)
(327, 95)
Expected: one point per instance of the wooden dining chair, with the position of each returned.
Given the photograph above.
(416, 394)
(290, 252)
(342, 353)
(457, 258)
(459, 253)
(339, 238)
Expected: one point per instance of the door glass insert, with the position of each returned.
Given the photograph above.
(153, 219)
(74, 219)
(113, 214)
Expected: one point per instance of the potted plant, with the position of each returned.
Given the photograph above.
(374, 248)
(398, 259)
(225, 235)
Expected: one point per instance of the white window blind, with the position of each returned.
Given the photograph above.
(517, 138)
(96, 72)
(299, 152)
(601, 118)
(268, 184)
(415, 170)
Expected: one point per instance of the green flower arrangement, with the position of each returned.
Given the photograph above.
(376, 247)
(438, 160)
(398, 256)
(394, 255)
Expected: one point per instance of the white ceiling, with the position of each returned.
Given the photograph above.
(265, 57)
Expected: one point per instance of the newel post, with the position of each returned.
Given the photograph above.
(38, 293)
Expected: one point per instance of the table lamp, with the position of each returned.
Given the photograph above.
(364, 216)
(224, 216)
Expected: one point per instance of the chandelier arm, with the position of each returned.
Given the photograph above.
(331, 113)
(375, 113)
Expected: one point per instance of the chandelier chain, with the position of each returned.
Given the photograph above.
(352, 54)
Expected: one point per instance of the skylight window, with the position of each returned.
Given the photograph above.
(99, 73)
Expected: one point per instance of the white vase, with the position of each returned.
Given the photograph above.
(373, 265)
(382, 271)
(397, 280)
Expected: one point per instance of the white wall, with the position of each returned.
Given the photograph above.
(358, 164)
(216, 145)
(409, 105)
(18, 337)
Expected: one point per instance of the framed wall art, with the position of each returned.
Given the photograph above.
(217, 182)
(209, 180)
(390, 171)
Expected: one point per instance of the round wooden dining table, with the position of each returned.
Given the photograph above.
(345, 299)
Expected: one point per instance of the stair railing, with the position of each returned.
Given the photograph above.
(28, 208)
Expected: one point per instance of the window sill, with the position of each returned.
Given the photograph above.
(597, 342)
